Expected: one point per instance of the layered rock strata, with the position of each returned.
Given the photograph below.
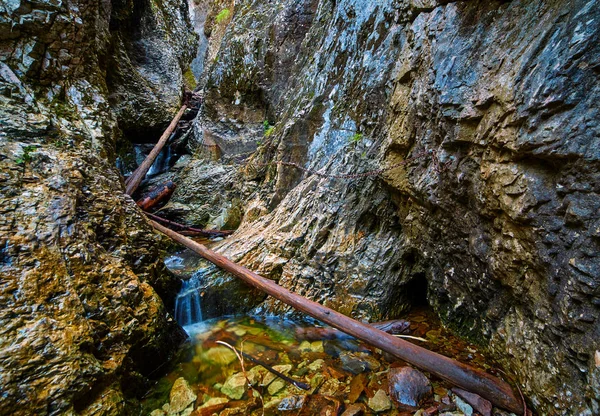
(485, 114)
(83, 322)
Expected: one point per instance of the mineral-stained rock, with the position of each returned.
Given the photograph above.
(357, 386)
(82, 317)
(408, 387)
(478, 403)
(485, 115)
(355, 410)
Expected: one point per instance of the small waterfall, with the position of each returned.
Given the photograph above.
(188, 303)
(162, 162)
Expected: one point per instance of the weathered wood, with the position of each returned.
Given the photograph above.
(462, 375)
(138, 175)
(156, 195)
(396, 326)
(193, 231)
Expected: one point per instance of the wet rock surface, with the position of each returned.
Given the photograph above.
(478, 403)
(408, 387)
(493, 214)
(83, 322)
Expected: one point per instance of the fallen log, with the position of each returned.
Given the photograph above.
(156, 195)
(469, 378)
(193, 231)
(395, 327)
(138, 175)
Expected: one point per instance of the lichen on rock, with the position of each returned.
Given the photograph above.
(83, 321)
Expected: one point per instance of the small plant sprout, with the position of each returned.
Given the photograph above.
(222, 16)
(268, 129)
(355, 138)
(26, 156)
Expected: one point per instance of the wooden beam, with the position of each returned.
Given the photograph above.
(469, 378)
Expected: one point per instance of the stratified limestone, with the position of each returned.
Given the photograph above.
(83, 323)
(496, 221)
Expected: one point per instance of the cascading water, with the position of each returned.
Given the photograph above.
(188, 305)
(162, 162)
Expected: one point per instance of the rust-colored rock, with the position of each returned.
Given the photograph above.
(479, 404)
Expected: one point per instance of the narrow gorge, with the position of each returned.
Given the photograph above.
(430, 161)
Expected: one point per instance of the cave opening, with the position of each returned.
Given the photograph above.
(416, 290)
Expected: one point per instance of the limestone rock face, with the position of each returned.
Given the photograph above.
(485, 114)
(152, 45)
(82, 319)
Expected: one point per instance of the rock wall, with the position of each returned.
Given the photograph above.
(486, 117)
(82, 319)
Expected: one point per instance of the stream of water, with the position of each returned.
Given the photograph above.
(188, 304)
(342, 373)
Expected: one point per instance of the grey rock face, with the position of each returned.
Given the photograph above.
(494, 109)
(152, 46)
(81, 314)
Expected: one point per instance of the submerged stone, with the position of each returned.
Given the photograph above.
(408, 387)
(269, 377)
(214, 401)
(220, 355)
(181, 396)
(291, 403)
(235, 386)
(275, 386)
(358, 362)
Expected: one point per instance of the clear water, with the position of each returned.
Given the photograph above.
(340, 372)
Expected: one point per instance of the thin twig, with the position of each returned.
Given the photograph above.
(410, 337)
(241, 360)
(523, 400)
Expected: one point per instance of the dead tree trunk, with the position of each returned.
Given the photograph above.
(394, 327)
(199, 232)
(462, 375)
(156, 195)
(132, 183)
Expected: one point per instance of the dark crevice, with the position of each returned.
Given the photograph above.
(416, 290)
